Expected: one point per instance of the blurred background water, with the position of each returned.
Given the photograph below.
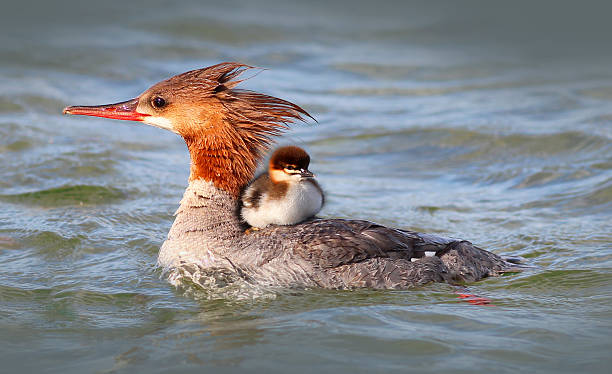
(487, 121)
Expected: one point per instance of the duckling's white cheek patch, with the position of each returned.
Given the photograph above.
(161, 122)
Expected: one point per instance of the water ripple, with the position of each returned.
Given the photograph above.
(442, 119)
(66, 195)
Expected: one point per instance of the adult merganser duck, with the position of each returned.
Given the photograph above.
(285, 195)
(226, 131)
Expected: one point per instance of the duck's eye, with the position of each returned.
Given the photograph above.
(158, 102)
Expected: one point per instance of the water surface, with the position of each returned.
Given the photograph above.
(485, 122)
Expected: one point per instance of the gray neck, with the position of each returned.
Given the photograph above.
(206, 229)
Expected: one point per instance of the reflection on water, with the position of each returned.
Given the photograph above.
(484, 121)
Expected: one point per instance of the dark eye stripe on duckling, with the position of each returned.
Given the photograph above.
(292, 169)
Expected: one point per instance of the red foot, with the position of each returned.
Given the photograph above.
(473, 299)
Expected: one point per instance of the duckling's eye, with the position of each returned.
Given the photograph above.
(158, 102)
(290, 167)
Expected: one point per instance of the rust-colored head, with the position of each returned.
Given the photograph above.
(226, 129)
(289, 163)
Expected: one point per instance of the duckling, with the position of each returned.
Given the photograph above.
(286, 194)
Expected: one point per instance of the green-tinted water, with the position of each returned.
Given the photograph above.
(487, 122)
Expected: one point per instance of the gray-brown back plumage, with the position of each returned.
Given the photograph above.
(331, 253)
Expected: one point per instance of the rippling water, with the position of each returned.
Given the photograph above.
(486, 122)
